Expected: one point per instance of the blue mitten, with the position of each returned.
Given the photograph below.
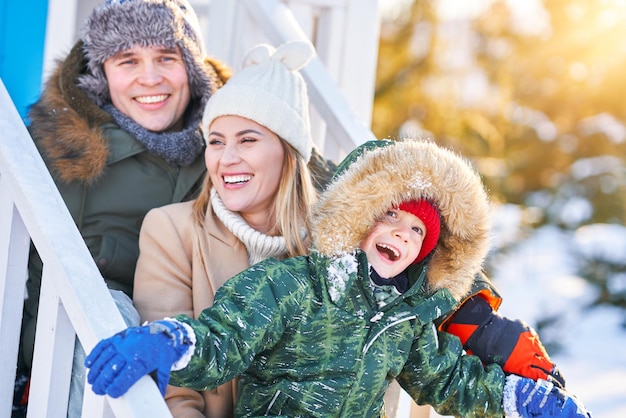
(526, 398)
(118, 362)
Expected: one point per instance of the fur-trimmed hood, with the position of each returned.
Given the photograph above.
(66, 124)
(381, 174)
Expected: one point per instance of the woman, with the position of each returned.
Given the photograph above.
(254, 202)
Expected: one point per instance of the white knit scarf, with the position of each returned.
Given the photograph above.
(259, 245)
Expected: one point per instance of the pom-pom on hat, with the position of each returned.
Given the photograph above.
(271, 92)
(424, 210)
(118, 25)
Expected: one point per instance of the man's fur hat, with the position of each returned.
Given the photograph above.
(118, 25)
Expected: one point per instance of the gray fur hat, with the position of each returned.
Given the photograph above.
(118, 25)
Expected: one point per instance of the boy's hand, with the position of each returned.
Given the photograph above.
(512, 344)
(118, 362)
(530, 359)
(526, 398)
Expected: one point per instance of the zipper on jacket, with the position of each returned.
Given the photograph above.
(269, 408)
(389, 325)
(400, 299)
(410, 316)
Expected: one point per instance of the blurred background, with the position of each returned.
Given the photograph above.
(532, 92)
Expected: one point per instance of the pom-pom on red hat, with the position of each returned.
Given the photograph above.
(424, 210)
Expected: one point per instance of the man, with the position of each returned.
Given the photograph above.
(118, 125)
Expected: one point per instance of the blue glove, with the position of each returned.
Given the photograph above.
(118, 362)
(526, 398)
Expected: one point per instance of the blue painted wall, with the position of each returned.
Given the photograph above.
(22, 34)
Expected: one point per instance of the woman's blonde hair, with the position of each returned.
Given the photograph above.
(294, 198)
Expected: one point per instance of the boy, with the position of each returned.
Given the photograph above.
(324, 335)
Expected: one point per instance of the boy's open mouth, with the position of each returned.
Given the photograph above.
(389, 252)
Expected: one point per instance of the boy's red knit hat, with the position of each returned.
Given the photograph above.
(424, 210)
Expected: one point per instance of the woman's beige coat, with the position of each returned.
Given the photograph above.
(180, 268)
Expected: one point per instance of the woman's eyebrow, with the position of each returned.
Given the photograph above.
(248, 131)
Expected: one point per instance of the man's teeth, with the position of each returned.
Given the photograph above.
(151, 99)
(236, 179)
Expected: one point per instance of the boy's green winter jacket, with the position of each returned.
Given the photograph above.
(306, 334)
(309, 340)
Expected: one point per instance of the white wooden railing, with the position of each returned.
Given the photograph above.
(74, 299)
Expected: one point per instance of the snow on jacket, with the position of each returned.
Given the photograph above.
(306, 335)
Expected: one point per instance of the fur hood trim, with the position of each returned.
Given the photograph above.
(66, 125)
(376, 177)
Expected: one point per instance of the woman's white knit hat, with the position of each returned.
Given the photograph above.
(271, 92)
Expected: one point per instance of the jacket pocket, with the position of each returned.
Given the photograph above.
(116, 260)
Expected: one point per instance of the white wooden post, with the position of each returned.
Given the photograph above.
(60, 33)
(341, 91)
(14, 244)
(347, 42)
(280, 25)
(54, 345)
